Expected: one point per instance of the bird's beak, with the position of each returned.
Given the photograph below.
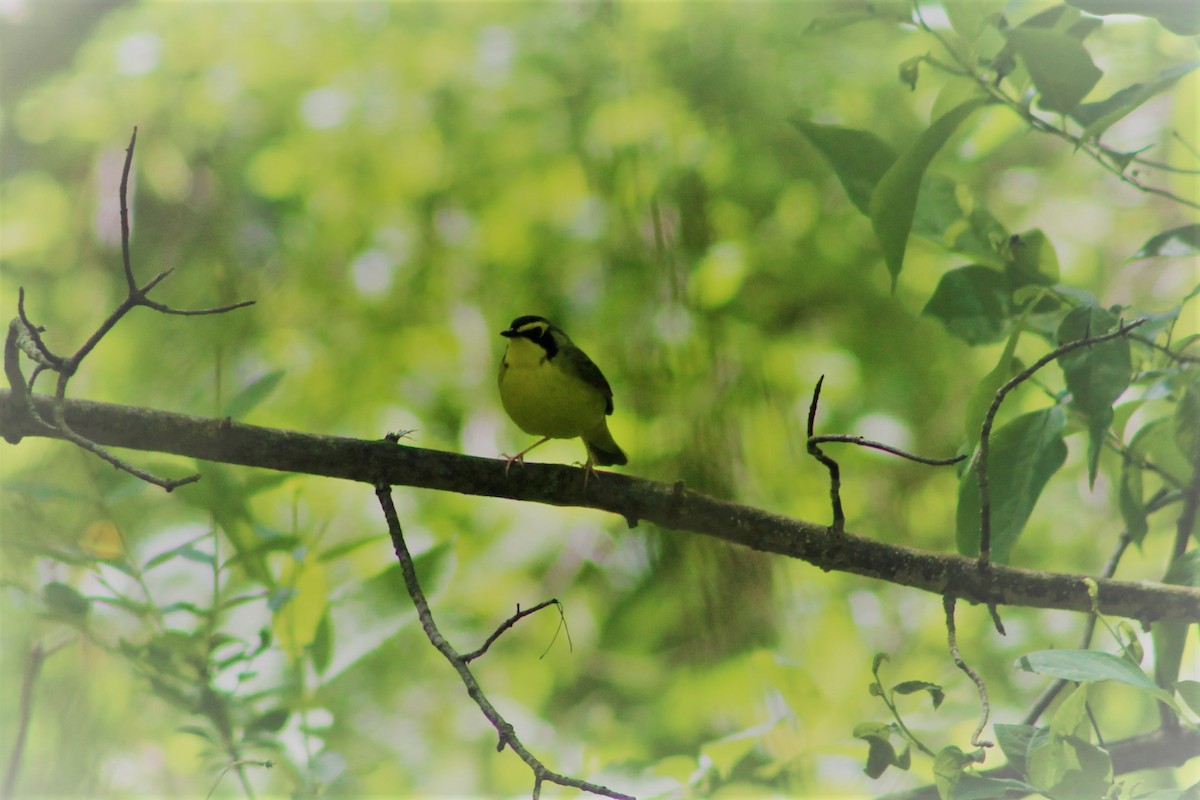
(508, 333)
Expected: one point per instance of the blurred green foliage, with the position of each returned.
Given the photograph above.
(690, 191)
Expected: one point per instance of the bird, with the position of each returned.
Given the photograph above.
(551, 389)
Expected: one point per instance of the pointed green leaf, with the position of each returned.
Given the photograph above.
(936, 693)
(1190, 692)
(1100, 116)
(948, 768)
(254, 393)
(859, 158)
(1014, 741)
(1130, 500)
(1030, 260)
(1091, 666)
(880, 753)
(1024, 454)
(1181, 241)
(984, 392)
(894, 201)
(1097, 374)
(969, 18)
(949, 216)
(1059, 65)
(65, 600)
(1178, 16)
(974, 303)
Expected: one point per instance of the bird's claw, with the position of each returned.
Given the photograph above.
(508, 461)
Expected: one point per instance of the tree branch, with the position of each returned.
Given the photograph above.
(667, 505)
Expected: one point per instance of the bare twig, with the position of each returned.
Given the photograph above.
(948, 602)
(887, 448)
(508, 736)
(24, 335)
(38, 654)
(985, 504)
(835, 480)
(508, 623)
(835, 476)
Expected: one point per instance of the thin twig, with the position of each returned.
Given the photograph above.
(38, 654)
(896, 451)
(508, 623)
(28, 338)
(33, 667)
(985, 505)
(123, 194)
(835, 475)
(508, 736)
(948, 602)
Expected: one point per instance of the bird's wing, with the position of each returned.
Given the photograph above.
(577, 360)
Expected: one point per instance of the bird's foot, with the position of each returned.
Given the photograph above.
(508, 461)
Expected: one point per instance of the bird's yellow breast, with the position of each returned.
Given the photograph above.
(543, 397)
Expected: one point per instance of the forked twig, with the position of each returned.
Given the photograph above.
(25, 336)
(508, 623)
(460, 662)
(835, 480)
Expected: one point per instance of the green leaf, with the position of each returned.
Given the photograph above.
(1100, 116)
(948, 215)
(984, 392)
(1030, 260)
(1181, 241)
(270, 722)
(880, 752)
(1059, 65)
(65, 600)
(894, 201)
(1024, 454)
(1130, 500)
(1090, 666)
(1014, 742)
(1170, 637)
(321, 649)
(899, 12)
(1181, 17)
(974, 303)
(969, 18)
(936, 693)
(1155, 442)
(1186, 421)
(859, 158)
(254, 393)
(1190, 692)
(1096, 375)
(948, 768)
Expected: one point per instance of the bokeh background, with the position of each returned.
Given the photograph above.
(392, 184)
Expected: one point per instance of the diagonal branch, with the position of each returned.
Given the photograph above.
(508, 737)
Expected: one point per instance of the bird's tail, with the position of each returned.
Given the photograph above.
(601, 447)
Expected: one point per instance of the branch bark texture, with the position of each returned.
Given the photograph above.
(635, 499)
